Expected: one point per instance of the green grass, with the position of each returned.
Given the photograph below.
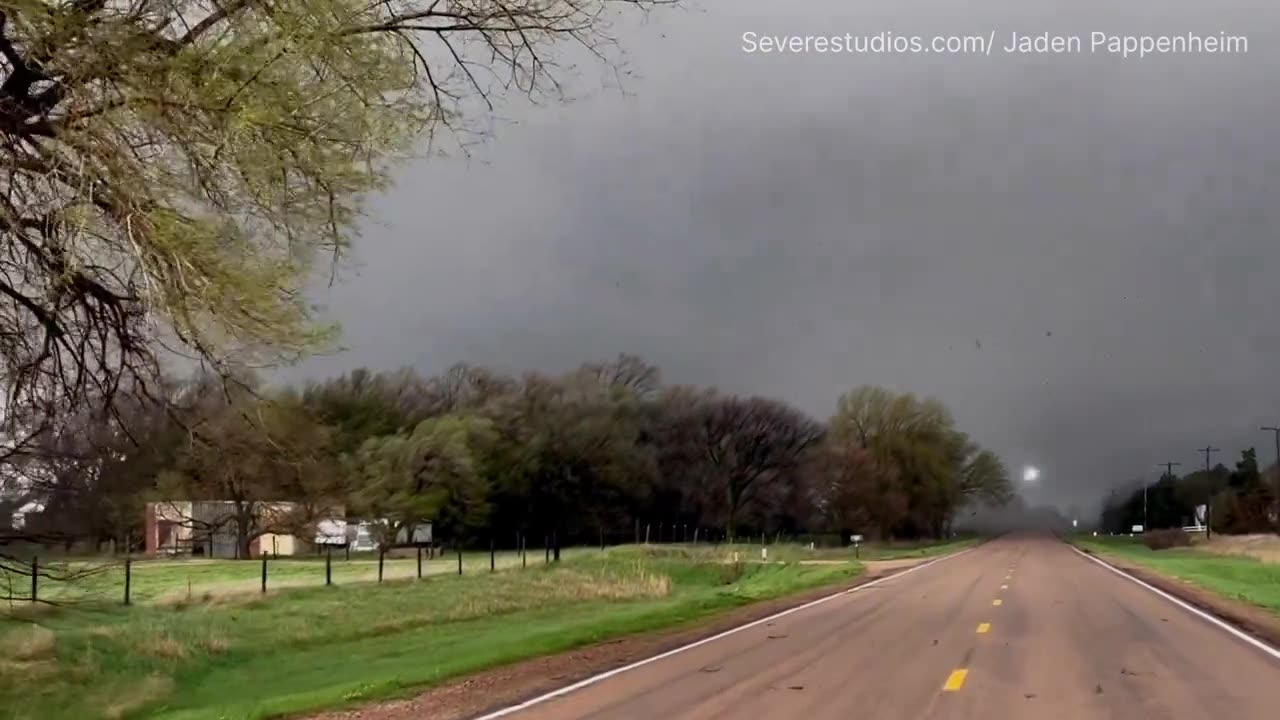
(248, 656)
(178, 580)
(1240, 578)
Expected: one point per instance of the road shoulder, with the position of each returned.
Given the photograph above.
(1258, 622)
(488, 690)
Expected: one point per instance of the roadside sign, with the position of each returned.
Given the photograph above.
(855, 539)
(1137, 528)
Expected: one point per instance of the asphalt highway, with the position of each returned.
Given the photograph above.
(1020, 627)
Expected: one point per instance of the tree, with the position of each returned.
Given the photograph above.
(281, 479)
(854, 491)
(936, 467)
(751, 442)
(360, 405)
(434, 474)
(1248, 503)
(570, 456)
(172, 171)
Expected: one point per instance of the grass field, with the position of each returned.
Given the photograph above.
(1242, 578)
(252, 656)
(182, 580)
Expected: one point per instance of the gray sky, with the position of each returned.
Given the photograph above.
(794, 226)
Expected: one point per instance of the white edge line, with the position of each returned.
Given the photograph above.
(698, 643)
(1221, 624)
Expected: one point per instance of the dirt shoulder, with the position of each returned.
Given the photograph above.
(1256, 621)
(482, 692)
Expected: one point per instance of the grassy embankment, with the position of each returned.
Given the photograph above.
(224, 654)
(1238, 577)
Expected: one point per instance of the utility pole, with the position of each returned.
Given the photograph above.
(1208, 507)
(1168, 471)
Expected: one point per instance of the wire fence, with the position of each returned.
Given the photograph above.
(168, 580)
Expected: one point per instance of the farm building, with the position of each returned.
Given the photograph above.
(362, 535)
(207, 528)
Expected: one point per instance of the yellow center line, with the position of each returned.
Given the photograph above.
(955, 680)
(997, 602)
(983, 628)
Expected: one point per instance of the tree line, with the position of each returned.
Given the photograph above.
(1240, 500)
(574, 458)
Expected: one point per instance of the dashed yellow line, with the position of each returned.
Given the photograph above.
(983, 628)
(955, 680)
(997, 602)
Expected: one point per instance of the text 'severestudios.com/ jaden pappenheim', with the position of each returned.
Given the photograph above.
(994, 42)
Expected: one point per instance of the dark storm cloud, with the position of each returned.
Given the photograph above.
(1077, 254)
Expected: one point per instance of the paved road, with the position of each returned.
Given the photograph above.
(1017, 628)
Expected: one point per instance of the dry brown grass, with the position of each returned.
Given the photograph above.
(539, 589)
(1260, 547)
(132, 697)
(215, 644)
(27, 654)
(161, 646)
(29, 644)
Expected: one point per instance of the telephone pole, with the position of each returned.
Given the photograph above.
(1208, 506)
(1168, 471)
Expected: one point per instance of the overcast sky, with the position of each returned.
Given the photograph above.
(1077, 253)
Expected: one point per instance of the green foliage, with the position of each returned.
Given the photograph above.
(432, 473)
(173, 171)
(919, 469)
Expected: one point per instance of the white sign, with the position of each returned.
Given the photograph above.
(1136, 528)
(855, 539)
(1075, 523)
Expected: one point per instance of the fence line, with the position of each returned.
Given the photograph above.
(659, 533)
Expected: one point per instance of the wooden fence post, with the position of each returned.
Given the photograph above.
(382, 553)
(419, 562)
(459, 559)
(35, 577)
(264, 573)
(491, 555)
(328, 565)
(128, 576)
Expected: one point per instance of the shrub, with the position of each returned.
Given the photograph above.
(1165, 539)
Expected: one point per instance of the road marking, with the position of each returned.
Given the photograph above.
(1004, 587)
(955, 680)
(699, 643)
(997, 602)
(983, 628)
(1264, 647)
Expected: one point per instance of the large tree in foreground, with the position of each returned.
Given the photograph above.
(171, 168)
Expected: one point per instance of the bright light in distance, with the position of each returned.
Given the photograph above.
(1030, 474)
